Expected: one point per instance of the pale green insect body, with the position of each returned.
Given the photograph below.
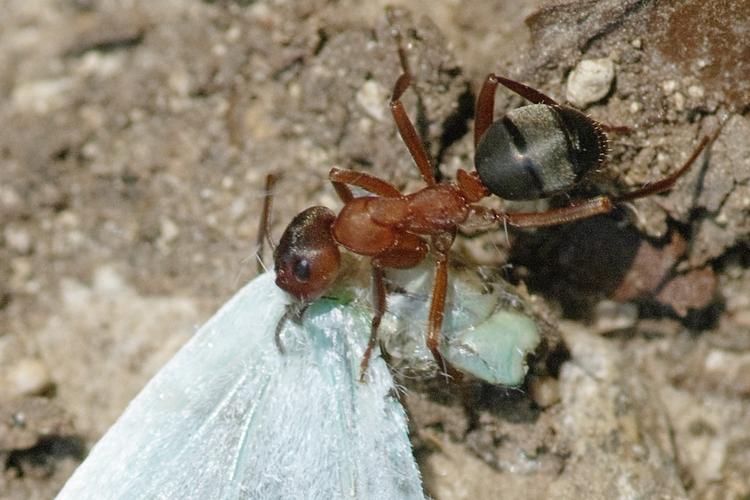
(488, 329)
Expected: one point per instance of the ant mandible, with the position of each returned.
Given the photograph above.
(532, 152)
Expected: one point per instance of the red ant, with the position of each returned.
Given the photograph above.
(532, 152)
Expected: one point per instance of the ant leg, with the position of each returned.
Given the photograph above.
(528, 93)
(486, 101)
(408, 251)
(403, 123)
(616, 129)
(485, 109)
(342, 179)
(581, 210)
(263, 234)
(437, 306)
(441, 244)
(667, 182)
(378, 299)
(409, 133)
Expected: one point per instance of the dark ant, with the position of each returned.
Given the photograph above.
(532, 152)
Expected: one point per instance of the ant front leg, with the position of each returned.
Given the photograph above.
(486, 101)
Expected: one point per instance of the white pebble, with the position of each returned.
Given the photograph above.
(695, 91)
(669, 86)
(18, 239)
(679, 101)
(28, 377)
(610, 316)
(42, 96)
(590, 81)
(169, 231)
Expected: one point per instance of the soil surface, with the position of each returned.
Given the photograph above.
(137, 137)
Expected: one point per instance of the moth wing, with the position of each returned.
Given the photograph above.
(231, 417)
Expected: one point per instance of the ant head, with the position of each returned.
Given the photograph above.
(307, 258)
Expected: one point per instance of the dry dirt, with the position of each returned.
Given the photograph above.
(136, 139)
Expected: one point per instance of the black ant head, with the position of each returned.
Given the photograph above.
(307, 258)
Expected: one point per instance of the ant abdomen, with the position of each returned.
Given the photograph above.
(538, 150)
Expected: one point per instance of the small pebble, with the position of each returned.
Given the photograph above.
(10, 200)
(679, 101)
(168, 231)
(695, 91)
(610, 316)
(545, 391)
(42, 96)
(27, 377)
(590, 81)
(669, 86)
(18, 239)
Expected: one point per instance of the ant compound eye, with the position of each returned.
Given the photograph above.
(306, 260)
(301, 270)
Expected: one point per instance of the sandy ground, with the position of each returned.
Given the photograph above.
(136, 139)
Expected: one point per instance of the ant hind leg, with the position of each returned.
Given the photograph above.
(486, 101)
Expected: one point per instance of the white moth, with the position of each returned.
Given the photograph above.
(231, 417)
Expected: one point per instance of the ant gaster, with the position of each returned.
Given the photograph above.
(532, 152)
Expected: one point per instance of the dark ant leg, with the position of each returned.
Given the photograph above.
(263, 234)
(342, 179)
(667, 182)
(485, 108)
(378, 299)
(616, 129)
(528, 93)
(486, 101)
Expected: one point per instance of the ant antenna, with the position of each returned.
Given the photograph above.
(263, 233)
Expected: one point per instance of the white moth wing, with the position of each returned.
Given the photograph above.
(230, 417)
